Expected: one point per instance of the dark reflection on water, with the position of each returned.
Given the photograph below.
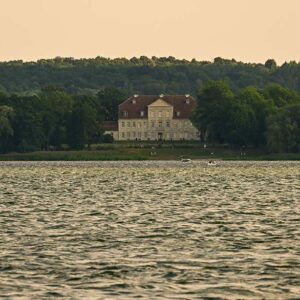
(149, 230)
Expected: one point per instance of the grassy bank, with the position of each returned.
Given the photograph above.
(148, 151)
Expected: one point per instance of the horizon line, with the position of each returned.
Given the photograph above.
(138, 57)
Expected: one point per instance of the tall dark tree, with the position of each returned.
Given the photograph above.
(83, 127)
(259, 108)
(241, 125)
(280, 96)
(271, 64)
(215, 101)
(27, 123)
(57, 107)
(109, 99)
(6, 129)
(284, 129)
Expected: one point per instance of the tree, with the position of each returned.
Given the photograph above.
(240, 129)
(279, 95)
(109, 100)
(284, 130)
(27, 123)
(259, 109)
(6, 130)
(83, 126)
(215, 101)
(3, 96)
(142, 75)
(57, 106)
(271, 64)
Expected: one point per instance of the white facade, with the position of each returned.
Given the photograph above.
(159, 125)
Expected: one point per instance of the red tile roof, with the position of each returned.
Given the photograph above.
(185, 104)
(110, 126)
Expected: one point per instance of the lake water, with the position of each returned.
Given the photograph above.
(152, 230)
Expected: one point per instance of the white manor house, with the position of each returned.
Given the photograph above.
(149, 117)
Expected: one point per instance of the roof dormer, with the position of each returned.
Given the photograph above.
(187, 98)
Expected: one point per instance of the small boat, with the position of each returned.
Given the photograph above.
(185, 160)
(211, 163)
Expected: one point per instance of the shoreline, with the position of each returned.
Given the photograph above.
(129, 154)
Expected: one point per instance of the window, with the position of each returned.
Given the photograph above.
(125, 113)
(142, 113)
(178, 113)
(133, 124)
(128, 134)
(128, 124)
(160, 124)
(159, 114)
(168, 123)
(139, 125)
(139, 134)
(123, 124)
(133, 134)
(123, 134)
(167, 114)
(152, 114)
(152, 124)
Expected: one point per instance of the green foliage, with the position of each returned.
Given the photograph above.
(57, 106)
(6, 130)
(27, 123)
(142, 75)
(246, 109)
(251, 118)
(49, 120)
(279, 95)
(240, 130)
(83, 126)
(271, 64)
(284, 129)
(258, 109)
(107, 138)
(109, 99)
(215, 101)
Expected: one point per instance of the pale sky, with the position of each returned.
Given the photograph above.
(247, 30)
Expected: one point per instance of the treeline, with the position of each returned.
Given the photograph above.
(53, 119)
(142, 75)
(249, 118)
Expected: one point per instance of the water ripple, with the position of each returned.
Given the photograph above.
(88, 230)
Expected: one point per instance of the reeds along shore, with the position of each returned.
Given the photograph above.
(148, 152)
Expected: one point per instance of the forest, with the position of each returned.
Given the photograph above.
(250, 117)
(62, 103)
(142, 75)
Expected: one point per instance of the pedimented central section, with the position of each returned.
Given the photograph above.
(160, 110)
(157, 117)
(160, 102)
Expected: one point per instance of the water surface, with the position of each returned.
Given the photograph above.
(88, 230)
